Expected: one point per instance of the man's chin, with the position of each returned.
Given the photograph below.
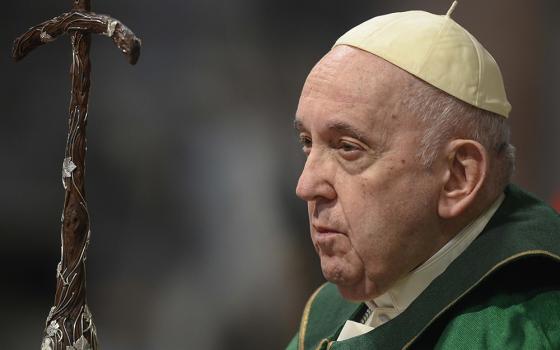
(350, 282)
(335, 270)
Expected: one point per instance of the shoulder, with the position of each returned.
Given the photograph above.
(524, 211)
(520, 320)
(518, 302)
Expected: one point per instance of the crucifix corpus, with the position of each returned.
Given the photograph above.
(69, 325)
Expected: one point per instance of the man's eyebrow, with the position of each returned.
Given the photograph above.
(345, 128)
(298, 125)
(337, 126)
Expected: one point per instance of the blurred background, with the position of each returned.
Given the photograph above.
(198, 240)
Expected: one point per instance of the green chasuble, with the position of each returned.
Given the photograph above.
(502, 292)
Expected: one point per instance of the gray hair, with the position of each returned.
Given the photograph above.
(446, 117)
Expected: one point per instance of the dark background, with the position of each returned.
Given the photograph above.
(198, 240)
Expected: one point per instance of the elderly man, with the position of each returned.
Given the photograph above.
(424, 242)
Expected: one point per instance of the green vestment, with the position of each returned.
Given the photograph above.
(502, 292)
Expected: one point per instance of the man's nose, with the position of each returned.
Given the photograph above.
(315, 182)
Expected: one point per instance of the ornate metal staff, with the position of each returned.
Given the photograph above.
(69, 325)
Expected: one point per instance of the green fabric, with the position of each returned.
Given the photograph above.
(521, 238)
(293, 345)
(509, 322)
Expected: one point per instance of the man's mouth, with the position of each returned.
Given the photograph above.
(325, 230)
(325, 238)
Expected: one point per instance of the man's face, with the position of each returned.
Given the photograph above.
(372, 205)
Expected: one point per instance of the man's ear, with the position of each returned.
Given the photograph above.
(466, 168)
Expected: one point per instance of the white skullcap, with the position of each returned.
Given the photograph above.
(437, 50)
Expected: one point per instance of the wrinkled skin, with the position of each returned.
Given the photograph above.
(373, 207)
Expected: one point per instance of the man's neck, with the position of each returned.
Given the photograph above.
(406, 290)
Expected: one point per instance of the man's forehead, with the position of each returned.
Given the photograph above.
(348, 74)
(356, 93)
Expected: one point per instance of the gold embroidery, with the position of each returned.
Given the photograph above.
(305, 317)
(320, 345)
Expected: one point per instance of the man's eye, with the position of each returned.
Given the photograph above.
(349, 150)
(348, 146)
